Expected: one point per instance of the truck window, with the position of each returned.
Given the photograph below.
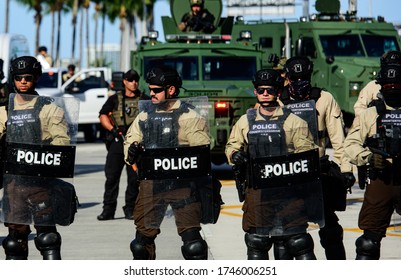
(48, 80)
(228, 68)
(307, 47)
(341, 45)
(186, 66)
(376, 45)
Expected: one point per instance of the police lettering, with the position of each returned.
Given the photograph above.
(38, 158)
(298, 105)
(393, 116)
(176, 163)
(287, 168)
(264, 126)
(22, 117)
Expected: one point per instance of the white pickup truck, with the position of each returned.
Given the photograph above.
(90, 86)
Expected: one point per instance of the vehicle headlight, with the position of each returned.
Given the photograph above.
(355, 88)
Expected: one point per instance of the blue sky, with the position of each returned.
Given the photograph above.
(21, 20)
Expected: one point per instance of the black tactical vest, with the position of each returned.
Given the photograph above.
(266, 137)
(26, 123)
(160, 130)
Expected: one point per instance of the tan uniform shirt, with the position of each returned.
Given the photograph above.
(367, 94)
(330, 119)
(296, 129)
(362, 128)
(52, 119)
(193, 129)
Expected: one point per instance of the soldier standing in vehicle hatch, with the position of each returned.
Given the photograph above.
(198, 19)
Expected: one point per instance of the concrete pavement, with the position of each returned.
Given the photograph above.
(90, 239)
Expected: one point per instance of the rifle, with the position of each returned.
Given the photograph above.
(115, 126)
(240, 181)
(120, 133)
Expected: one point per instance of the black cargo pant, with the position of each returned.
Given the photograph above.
(114, 165)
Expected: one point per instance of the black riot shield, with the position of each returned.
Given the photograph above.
(39, 165)
(175, 167)
(285, 194)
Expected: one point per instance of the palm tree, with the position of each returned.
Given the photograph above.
(35, 5)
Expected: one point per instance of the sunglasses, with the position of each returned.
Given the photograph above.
(28, 78)
(270, 91)
(156, 90)
(131, 80)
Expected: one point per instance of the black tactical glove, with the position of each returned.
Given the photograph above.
(349, 180)
(116, 135)
(239, 158)
(134, 151)
(378, 161)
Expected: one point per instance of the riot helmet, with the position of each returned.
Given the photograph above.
(389, 77)
(299, 68)
(299, 72)
(268, 77)
(197, 2)
(164, 76)
(26, 65)
(390, 58)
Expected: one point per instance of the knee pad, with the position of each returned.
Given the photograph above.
(194, 247)
(143, 247)
(49, 243)
(367, 248)
(15, 249)
(258, 246)
(301, 246)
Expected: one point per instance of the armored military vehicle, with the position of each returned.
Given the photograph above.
(218, 65)
(344, 48)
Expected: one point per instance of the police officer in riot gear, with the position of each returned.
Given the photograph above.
(116, 116)
(198, 19)
(371, 91)
(330, 126)
(374, 140)
(272, 213)
(368, 97)
(165, 127)
(28, 199)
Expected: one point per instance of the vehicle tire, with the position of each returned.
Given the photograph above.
(90, 133)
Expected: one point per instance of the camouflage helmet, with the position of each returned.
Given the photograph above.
(299, 67)
(26, 65)
(197, 2)
(391, 58)
(268, 77)
(164, 76)
(389, 74)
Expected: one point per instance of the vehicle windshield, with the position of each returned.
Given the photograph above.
(187, 66)
(342, 45)
(376, 45)
(351, 45)
(48, 80)
(228, 68)
(214, 68)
